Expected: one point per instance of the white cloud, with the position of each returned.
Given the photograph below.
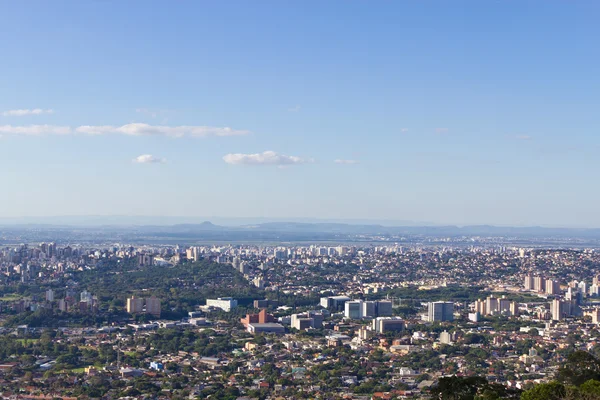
(35, 130)
(135, 129)
(23, 112)
(265, 158)
(346, 162)
(139, 129)
(404, 130)
(148, 159)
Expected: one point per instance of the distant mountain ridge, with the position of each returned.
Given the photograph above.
(118, 224)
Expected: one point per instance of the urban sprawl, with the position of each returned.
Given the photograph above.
(289, 322)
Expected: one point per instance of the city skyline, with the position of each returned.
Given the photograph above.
(478, 114)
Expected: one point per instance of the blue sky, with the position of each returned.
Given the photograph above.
(462, 112)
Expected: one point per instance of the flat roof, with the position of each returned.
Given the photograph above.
(267, 325)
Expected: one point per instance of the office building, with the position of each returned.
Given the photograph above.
(357, 309)
(353, 309)
(224, 303)
(308, 319)
(387, 324)
(334, 302)
(440, 311)
(384, 308)
(369, 309)
(261, 318)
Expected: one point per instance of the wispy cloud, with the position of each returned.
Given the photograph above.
(441, 130)
(265, 158)
(404, 130)
(346, 162)
(139, 129)
(26, 111)
(294, 109)
(135, 129)
(148, 159)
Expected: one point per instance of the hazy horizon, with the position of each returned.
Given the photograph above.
(98, 220)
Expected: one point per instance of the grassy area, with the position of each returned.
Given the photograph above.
(11, 297)
(27, 341)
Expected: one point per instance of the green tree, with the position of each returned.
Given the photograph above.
(580, 367)
(546, 391)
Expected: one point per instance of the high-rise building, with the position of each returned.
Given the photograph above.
(445, 338)
(335, 302)
(49, 295)
(504, 305)
(353, 309)
(153, 306)
(496, 306)
(539, 284)
(369, 309)
(387, 324)
(560, 309)
(514, 308)
(480, 307)
(62, 305)
(528, 282)
(259, 282)
(243, 268)
(280, 254)
(440, 311)
(309, 319)
(595, 314)
(135, 305)
(552, 286)
(384, 308)
(491, 305)
(145, 260)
